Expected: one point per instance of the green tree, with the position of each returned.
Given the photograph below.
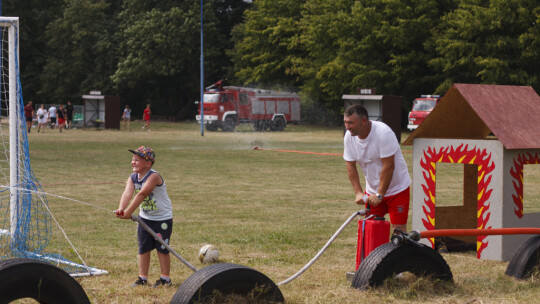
(373, 44)
(34, 16)
(332, 47)
(229, 13)
(492, 42)
(266, 44)
(160, 54)
(82, 51)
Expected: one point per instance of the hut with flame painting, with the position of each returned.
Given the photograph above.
(491, 132)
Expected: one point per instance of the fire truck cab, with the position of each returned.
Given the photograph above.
(420, 109)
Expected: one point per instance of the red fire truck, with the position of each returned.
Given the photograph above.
(420, 109)
(226, 107)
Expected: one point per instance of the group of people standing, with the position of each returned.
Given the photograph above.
(126, 117)
(61, 117)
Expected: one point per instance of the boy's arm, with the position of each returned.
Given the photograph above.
(126, 196)
(148, 187)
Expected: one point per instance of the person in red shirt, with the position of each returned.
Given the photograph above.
(146, 117)
(29, 114)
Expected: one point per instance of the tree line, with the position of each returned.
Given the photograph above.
(148, 51)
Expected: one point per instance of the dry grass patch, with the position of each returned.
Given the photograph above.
(272, 211)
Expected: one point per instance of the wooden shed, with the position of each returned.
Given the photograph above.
(493, 131)
(102, 109)
(385, 108)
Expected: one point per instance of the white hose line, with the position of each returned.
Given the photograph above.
(330, 241)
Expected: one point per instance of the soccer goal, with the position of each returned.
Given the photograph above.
(25, 218)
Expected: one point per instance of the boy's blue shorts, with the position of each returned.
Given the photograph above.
(148, 242)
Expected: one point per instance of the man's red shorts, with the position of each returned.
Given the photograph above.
(396, 205)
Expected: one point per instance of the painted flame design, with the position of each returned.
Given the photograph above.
(461, 155)
(517, 174)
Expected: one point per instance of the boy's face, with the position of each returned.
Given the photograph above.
(140, 164)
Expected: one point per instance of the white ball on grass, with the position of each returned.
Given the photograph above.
(208, 254)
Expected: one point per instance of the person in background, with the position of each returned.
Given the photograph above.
(43, 117)
(61, 119)
(146, 117)
(52, 116)
(126, 117)
(29, 115)
(69, 115)
(374, 147)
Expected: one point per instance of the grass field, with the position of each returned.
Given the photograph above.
(272, 211)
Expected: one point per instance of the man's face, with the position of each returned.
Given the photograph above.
(357, 126)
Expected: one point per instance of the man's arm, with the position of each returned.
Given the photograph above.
(354, 178)
(385, 179)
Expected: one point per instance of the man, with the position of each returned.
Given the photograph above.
(374, 147)
(52, 116)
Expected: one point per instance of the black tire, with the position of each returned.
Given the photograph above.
(525, 259)
(227, 279)
(43, 282)
(388, 260)
(212, 127)
(278, 124)
(228, 124)
(260, 125)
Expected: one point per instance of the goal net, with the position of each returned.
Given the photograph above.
(25, 218)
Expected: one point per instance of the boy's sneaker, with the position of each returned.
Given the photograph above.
(139, 282)
(163, 282)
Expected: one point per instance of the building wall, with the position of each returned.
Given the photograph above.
(514, 162)
(488, 156)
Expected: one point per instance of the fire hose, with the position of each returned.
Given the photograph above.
(330, 241)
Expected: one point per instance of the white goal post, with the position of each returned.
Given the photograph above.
(11, 23)
(25, 218)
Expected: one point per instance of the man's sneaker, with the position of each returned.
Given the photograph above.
(139, 282)
(163, 282)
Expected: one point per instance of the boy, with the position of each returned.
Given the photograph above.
(155, 210)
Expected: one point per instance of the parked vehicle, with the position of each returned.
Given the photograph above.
(420, 109)
(226, 107)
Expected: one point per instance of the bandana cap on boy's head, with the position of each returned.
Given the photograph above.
(145, 152)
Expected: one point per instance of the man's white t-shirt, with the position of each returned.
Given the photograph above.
(52, 112)
(380, 143)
